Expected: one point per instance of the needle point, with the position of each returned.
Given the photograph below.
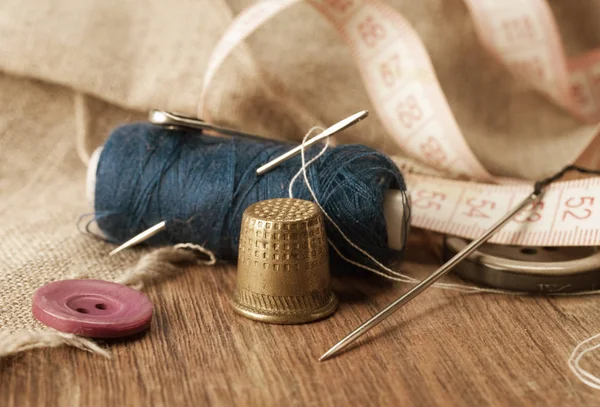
(324, 357)
(115, 251)
(145, 235)
(334, 349)
(426, 283)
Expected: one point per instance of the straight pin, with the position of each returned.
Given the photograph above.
(328, 132)
(439, 273)
(176, 120)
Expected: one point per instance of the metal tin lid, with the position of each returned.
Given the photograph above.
(531, 269)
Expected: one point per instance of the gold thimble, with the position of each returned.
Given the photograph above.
(283, 266)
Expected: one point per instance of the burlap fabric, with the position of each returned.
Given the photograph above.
(83, 67)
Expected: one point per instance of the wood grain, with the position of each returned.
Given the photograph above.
(445, 348)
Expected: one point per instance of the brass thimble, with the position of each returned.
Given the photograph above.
(283, 266)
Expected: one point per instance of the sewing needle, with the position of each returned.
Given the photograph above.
(145, 235)
(328, 132)
(439, 273)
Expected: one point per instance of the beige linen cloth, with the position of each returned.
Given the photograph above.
(74, 69)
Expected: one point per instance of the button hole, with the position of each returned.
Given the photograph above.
(82, 310)
(101, 306)
(550, 248)
(528, 250)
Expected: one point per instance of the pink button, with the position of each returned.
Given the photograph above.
(93, 308)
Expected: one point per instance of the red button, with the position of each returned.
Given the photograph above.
(93, 308)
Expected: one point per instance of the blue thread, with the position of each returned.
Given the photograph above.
(201, 185)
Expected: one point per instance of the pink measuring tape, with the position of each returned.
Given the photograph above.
(402, 84)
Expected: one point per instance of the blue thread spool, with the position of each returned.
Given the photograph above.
(202, 184)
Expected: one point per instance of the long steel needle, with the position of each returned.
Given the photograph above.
(439, 273)
(328, 132)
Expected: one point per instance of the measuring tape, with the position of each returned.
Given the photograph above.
(524, 37)
(568, 215)
(401, 82)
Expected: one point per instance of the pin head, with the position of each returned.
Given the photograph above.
(157, 117)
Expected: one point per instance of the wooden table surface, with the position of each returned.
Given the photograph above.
(445, 348)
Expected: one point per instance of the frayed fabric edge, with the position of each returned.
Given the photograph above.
(12, 343)
(160, 263)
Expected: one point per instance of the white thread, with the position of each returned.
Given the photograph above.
(574, 363)
(392, 274)
(311, 131)
(302, 170)
(574, 360)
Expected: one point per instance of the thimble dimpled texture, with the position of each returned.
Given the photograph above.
(283, 265)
